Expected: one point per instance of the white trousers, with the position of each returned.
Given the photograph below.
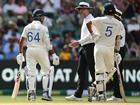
(37, 55)
(104, 58)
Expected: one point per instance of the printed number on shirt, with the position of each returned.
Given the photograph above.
(108, 31)
(32, 37)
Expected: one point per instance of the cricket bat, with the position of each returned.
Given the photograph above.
(17, 83)
(120, 83)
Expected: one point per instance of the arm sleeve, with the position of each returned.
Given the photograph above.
(93, 37)
(47, 40)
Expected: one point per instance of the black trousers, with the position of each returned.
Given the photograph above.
(86, 62)
(116, 90)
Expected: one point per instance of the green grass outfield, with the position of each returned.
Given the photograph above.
(60, 100)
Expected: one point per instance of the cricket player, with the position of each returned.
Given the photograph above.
(123, 49)
(107, 45)
(36, 37)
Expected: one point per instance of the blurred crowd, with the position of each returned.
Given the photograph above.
(64, 24)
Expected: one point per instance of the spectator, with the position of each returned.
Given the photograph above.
(11, 48)
(65, 54)
(2, 55)
(129, 11)
(57, 43)
(1, 17)
(12, 31)
(9, 7)
(74, 55)
(138, 10)
(29, 17)
(120, 4)
(97, 8)
(133, 27)
(67, 20)
(48, 7)
(132, 51)
(20, 9)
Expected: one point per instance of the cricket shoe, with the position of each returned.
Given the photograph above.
(73, 98)
(46, 97)
(115, 99)
(101, 97)
(31, 95)
(91, 93)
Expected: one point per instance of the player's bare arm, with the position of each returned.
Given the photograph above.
(89, 26)
(117, 43)
(117, 56)
(21, 44)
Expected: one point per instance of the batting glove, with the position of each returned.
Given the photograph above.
(20, 58)
(55, 59)
(117, 58)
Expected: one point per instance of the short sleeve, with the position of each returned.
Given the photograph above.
(24, 33)
(46, 31)
(47, 39)
(95, 21)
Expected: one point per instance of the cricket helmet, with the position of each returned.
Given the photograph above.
(37, 13)
(109, 9)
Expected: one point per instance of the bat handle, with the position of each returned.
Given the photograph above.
(18, 73)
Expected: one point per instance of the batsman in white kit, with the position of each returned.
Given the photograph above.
(36, 37)
(107, 46)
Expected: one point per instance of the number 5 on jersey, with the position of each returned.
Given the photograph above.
(108, 31)
(32, 37)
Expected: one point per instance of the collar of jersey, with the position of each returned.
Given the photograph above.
(36, 21)
(88, 17)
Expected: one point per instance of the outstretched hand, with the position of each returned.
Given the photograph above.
(74, 43)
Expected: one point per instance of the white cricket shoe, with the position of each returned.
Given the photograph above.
(31, 95)
(101, 97)
(93, 98)
(73, 98)
(46, 97)
(115, 99)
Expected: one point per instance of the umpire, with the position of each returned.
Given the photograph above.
(86, 57)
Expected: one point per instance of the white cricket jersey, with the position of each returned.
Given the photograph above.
(37, 35)
(122, 42)
(108, 27)
(84, 30)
